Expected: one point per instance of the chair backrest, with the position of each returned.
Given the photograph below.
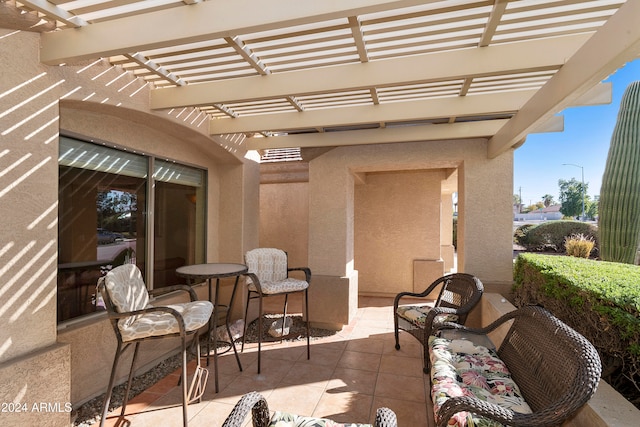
(269, 264)
(460, 291)
(125, 290)
(556, 368)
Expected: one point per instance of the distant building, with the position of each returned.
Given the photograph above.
(545, 214)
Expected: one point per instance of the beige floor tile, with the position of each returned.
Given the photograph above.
(359, 360)
(304, 373)
(409, 414)
(408, 366)
(239, 387)
(301, 400)
(323, 356)
(283, 352)
(271, 371)
(409, 346)
(345, 407)
(366, 345)
(213, 414)
(352, 380)
(400, 387)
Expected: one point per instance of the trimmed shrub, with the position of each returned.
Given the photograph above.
(521, 233)
(551, 235)
(579, 245)
(600, 300)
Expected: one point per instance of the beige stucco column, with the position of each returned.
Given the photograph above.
(34, 368)
(334, 294)
(447, 251)
(485, 219)
(484, 224)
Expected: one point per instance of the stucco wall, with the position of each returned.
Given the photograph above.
(397, 221)
(100, 102)
(484, 200)
(284, 219)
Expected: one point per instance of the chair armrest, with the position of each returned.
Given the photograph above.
(254, 279)
(552, 415)
(430, 326)
(480, 331)
(396, 301)
(174, 288)
(307, 272)
(385, 417)
(253, 402)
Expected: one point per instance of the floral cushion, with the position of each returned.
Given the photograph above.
(285, 419)
(417, 314)
(460, 368)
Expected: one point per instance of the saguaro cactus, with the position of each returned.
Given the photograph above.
(619, 206)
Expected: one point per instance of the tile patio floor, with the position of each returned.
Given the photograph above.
(349, 376)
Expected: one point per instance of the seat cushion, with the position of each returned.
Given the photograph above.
(460, 368)
(417, 314)
(126, 289)
(196, 314)
(285, 419)
(279, 286)
(269, 264)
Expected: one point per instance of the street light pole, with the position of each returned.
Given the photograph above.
(582, 169)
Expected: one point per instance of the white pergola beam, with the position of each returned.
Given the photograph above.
(614, 44)
(447, 131)
(206, 20)
(491, 60)
(505, 102)
(51, 9)
(600, 94)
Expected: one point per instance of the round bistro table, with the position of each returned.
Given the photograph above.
(197, 273)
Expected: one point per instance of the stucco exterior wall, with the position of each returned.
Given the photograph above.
(484, 200)
(397, 221)
(284, 219)
(102, 103)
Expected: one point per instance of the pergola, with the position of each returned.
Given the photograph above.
(298, 74)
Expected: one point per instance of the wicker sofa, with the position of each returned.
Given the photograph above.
(541, 374)
(255, 403)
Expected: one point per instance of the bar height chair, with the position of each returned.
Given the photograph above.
(268, 276)
(134, 320)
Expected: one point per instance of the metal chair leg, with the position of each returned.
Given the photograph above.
(259, 332)
(130, 379)
(112, 378)
(284, 317)
(306, 309)
(185, 391)
(246, 314)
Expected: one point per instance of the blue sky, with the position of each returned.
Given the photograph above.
(584, 142)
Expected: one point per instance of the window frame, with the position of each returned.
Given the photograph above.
(147, 213)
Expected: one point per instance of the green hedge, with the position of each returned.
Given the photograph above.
(601, 300)
(550, 235)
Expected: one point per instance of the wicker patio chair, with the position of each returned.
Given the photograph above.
(261, 417)
(556, 369)
(268, 276)
(458, 294)
(134, 320)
